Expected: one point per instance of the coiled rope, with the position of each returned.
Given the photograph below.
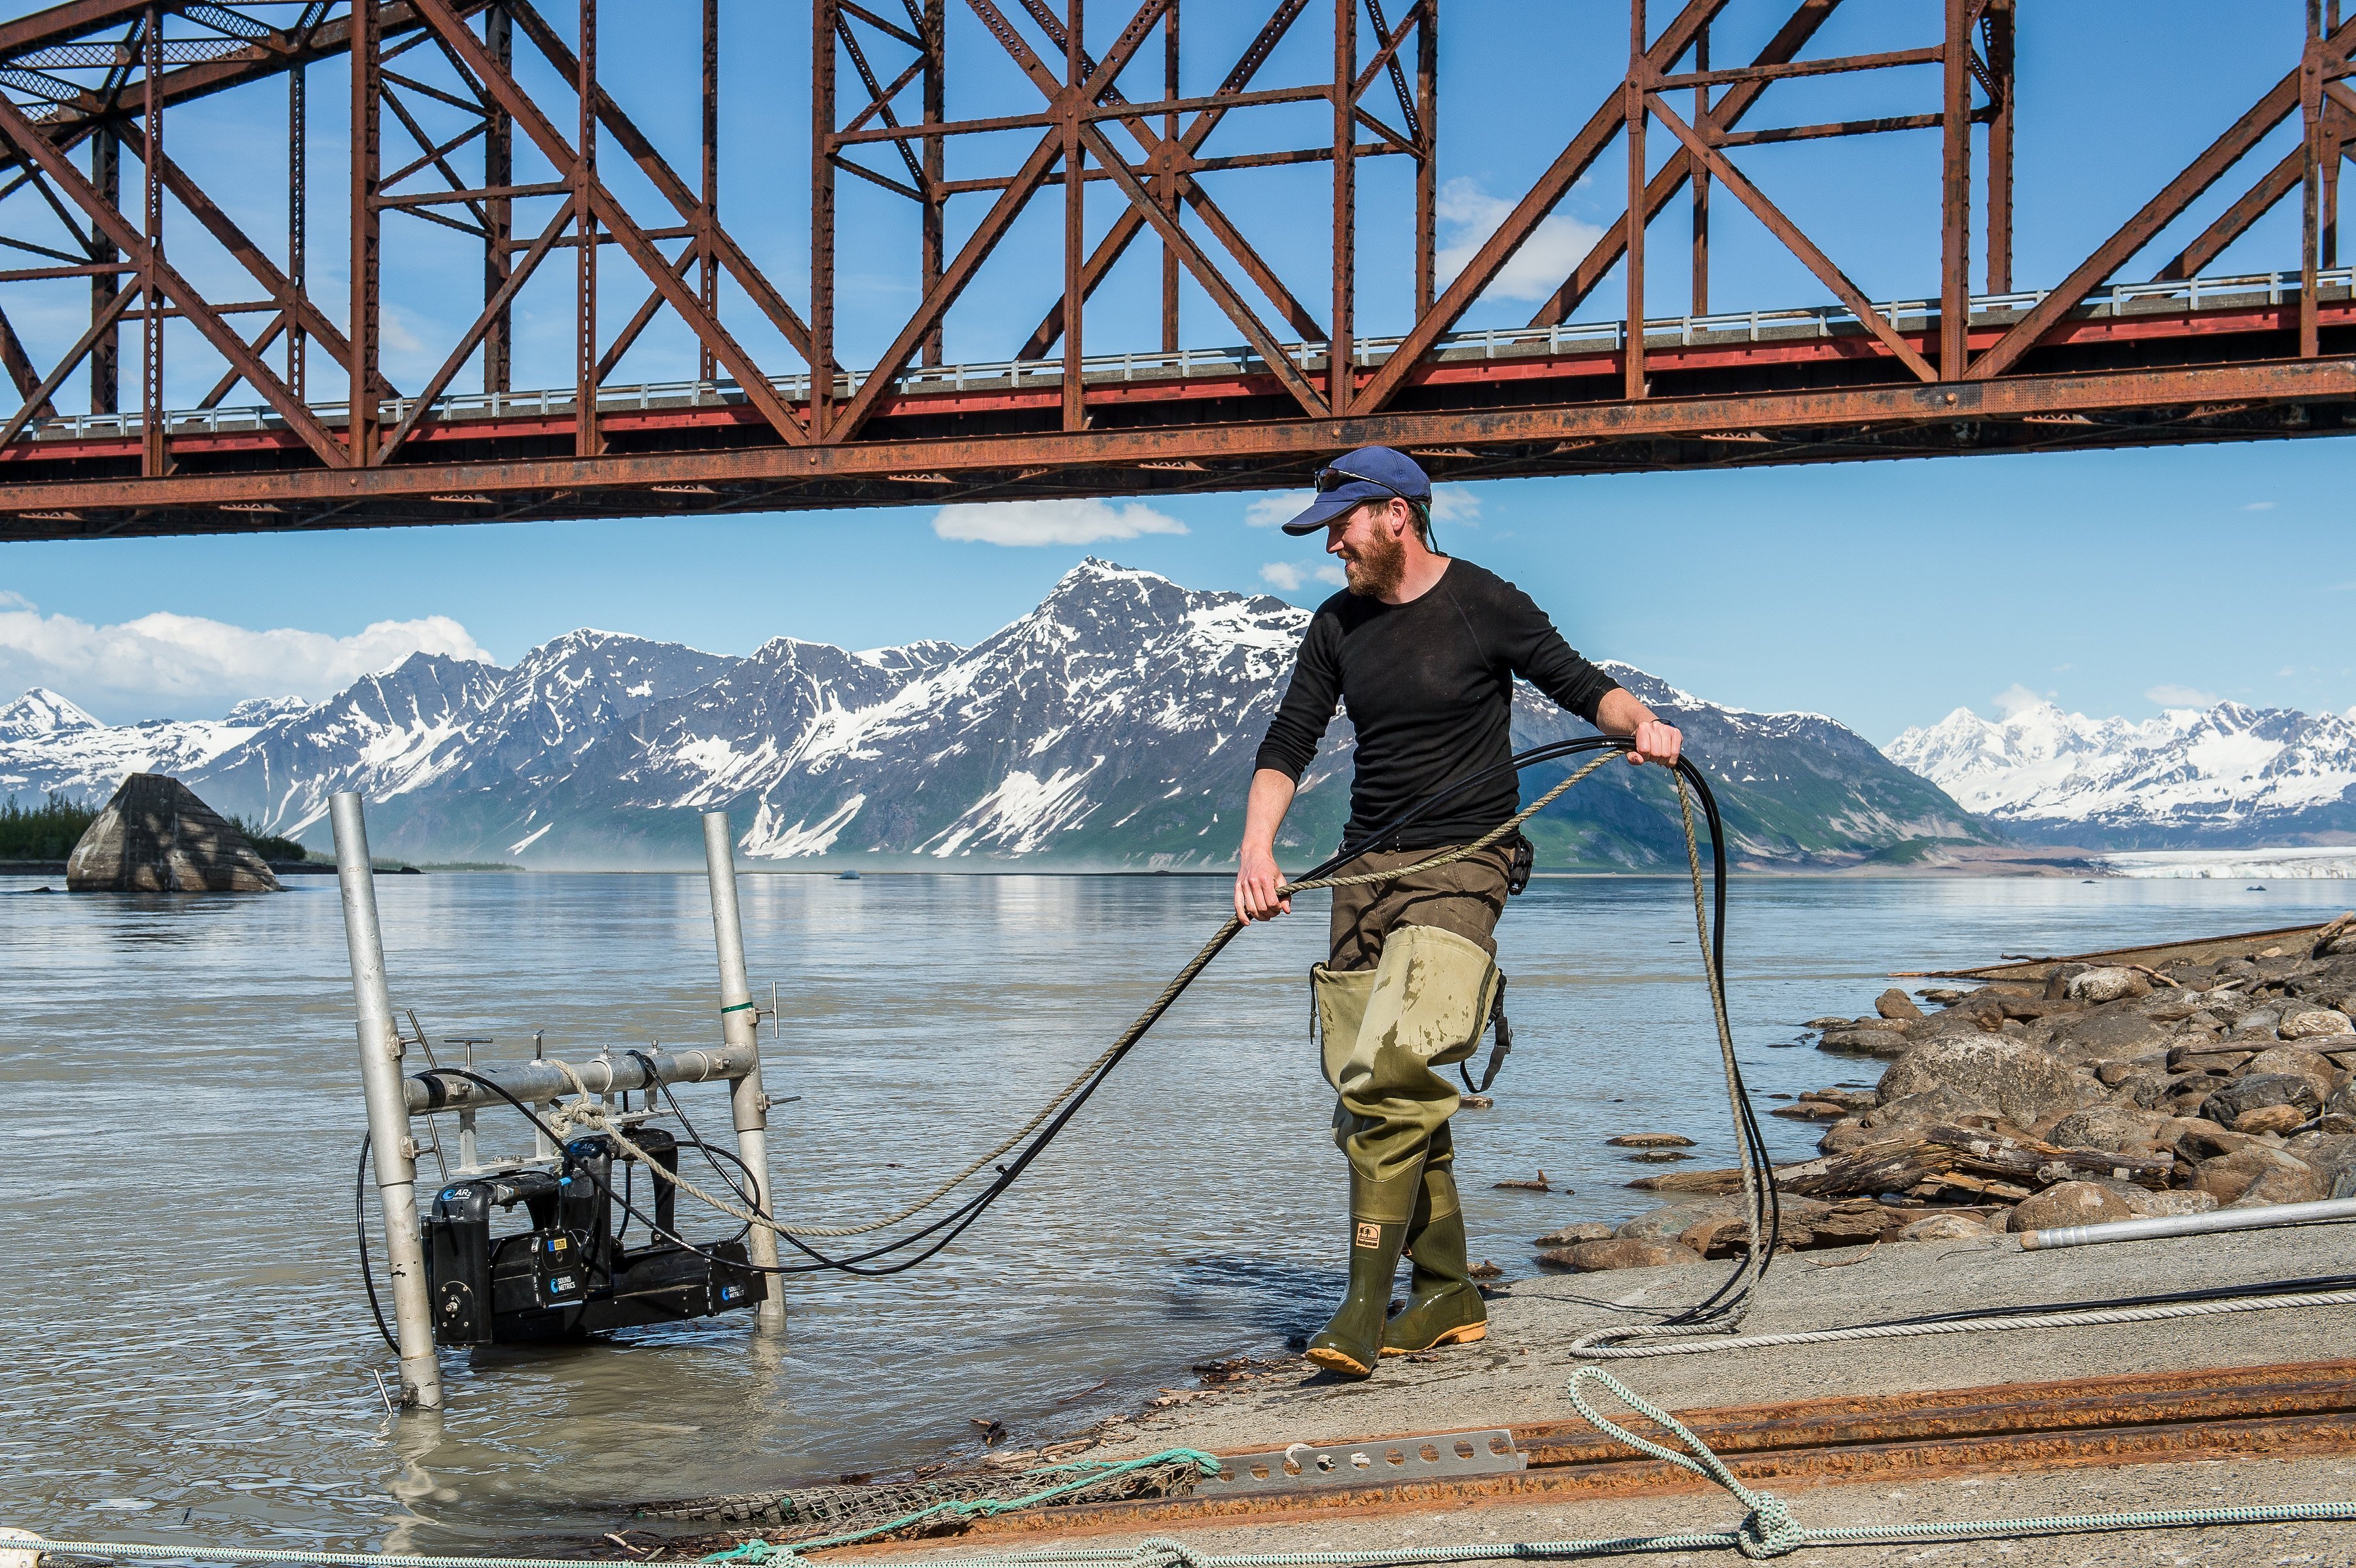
(1766, 1530)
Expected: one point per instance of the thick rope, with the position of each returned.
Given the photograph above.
(1767, 1527)
(586, 1111)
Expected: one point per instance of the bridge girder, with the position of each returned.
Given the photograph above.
(440, 96)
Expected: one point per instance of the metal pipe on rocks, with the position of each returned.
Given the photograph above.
(388, 1108)
(2342, 1208)
(739, 1031)
(543, 1079)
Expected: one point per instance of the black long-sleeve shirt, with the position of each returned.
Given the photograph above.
(1430, 687)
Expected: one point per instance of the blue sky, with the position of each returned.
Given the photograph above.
(1884, 594)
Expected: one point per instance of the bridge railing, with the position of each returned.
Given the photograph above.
(2276, 288)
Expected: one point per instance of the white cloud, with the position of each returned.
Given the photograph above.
(1287, 577)
(1276, 511)
(1534, 271)
(1459, 504)
(2259, 505)
(1073, 521)
(2015, 699)
(2170, 695)
(187, 665)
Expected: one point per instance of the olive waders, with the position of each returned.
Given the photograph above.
(1382, 1032)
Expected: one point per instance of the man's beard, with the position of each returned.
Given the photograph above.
(1380, 568)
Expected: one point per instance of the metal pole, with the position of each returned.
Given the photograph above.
(747, 1103)
(388, 1108)
(2329, 1209)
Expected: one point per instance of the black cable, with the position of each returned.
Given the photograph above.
(949, 1226)
(695, 1141)
(2158, 1298)
(360, 1226)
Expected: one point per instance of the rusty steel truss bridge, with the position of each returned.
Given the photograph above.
(100, 219)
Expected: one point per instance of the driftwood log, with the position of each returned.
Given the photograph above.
(1926, 1162)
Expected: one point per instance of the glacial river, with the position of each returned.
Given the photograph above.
(190, 1353)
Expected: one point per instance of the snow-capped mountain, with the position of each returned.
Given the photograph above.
(47, 743)
(2188, 780)
(1115, 725)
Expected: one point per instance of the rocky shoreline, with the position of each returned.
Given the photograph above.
(2103, 1092)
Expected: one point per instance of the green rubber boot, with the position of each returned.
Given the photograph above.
(1351, 1343)
(1444, 1306)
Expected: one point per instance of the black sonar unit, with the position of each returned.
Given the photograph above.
(568, 1275)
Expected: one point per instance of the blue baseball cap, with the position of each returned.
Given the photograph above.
(1368, 473)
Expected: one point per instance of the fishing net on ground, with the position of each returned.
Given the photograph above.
(946, 1503)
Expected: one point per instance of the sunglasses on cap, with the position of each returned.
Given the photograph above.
(1332, 478)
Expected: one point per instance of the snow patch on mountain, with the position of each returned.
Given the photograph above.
(1114, 725)
(2227, 775)
(47, 743)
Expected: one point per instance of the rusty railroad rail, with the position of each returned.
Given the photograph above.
(2285, 1410)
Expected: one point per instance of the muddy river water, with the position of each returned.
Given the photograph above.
(189, 1355)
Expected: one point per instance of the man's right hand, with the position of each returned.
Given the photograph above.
(1255, 886)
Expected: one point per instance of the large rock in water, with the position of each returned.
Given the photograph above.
(156, 837)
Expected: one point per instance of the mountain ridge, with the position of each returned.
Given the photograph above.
(1112, 726)
(2229, 775)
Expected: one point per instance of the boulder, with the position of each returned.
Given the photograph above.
(2271, 1119)
(1572, 1235)
(2332, 1155)
(2283, 1184)
(2241, 1096)
(1593, 1257)
(1945, 1228)
(2108, 1036)
(1848, 1133)
(156, 837)
(2145, 1204)
(2114, 1128)
(1722, 1237)
(1896, 1006)
(1928, 1109)
(1882, 1045)
(2069, 1203)
(2108, 984)
(2317, 1071)
(2022, 1082)
(2273, 1175)
(1672, 1219)
(1650, 1141)
(2311, 1023)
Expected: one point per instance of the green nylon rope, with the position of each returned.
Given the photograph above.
(1767, 1529)
(1089, 1474)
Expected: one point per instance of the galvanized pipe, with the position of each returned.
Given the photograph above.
(739, 1031)
(544, 1079)
(2188, 1224)
(387, 1112)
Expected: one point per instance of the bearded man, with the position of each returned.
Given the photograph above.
(1423, 650)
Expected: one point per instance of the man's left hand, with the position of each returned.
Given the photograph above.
(1656, 742)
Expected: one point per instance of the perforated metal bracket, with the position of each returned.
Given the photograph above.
(1441, 1455)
